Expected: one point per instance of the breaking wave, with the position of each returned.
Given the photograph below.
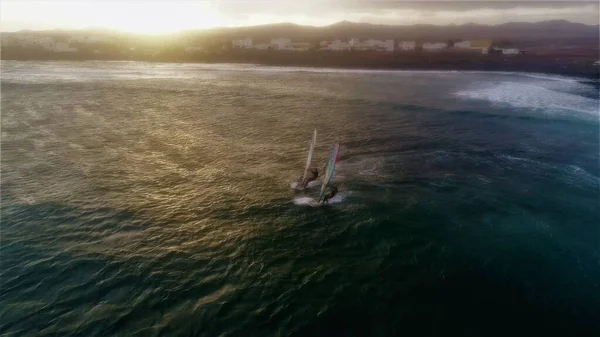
(552, 98)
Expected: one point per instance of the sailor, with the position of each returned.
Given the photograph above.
(312, 175)
(332, 192)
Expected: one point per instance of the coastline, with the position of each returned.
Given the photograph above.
(581, 66)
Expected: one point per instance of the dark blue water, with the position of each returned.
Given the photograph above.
(154, 200)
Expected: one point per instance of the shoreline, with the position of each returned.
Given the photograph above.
(570, 66)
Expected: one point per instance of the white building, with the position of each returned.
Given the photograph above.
(300, 46)
(482, 46)
(46, 43)
(354, 42)
(261, 46)
(407, 45)
(62, 47)
(87, 39)
(462, 44)
(244, 43)
(335, 45)
(370, 44)
(281, 43)
(434, 46)
(510, 51)
(326, 45)
(388, 45)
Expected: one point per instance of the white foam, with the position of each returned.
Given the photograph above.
(364, 167)
(294, 185)
(305, 201)
(552, 77)
(532, 96)
(308, 201)
(314, 183)
(337, 199)
(570, 173)
(578, 174)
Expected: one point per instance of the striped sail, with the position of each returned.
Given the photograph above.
(333, 158)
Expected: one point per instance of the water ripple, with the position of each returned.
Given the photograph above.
(153, 199)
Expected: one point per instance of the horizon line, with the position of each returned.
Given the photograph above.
(289, 23)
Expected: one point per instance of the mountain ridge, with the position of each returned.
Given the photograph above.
(562, 31)
(335, 24)
(549, 32)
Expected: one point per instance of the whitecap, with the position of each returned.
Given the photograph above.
(308, 201)
(305, 201)
(532, 96)
(314, 183)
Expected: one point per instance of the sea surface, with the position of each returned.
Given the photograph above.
(148, 199)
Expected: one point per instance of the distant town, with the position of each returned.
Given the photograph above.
(286, 44)
(75, 43)
(551, 46)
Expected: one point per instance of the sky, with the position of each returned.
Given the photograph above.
(165, 16)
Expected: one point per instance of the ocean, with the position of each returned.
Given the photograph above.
(154, 199)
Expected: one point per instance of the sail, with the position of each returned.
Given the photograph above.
(333, 158)
(310, 154)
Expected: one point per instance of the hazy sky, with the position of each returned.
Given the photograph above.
(158, 16)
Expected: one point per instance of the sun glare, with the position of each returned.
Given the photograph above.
(164, 16)
(160, 17)
(152, 17)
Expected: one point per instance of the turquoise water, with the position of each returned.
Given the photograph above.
(154, 199)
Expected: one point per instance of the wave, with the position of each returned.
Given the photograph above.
(552, 77)
(532, 96)
(294, 69)
(468, 163)
(570, 173)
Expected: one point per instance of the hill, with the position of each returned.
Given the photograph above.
(555, 32)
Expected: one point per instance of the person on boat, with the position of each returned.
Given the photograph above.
(332, 192)
(313, 173)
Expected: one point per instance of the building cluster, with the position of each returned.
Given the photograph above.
(481, 46)
(274, 44)
(73, 43)
(356, 44)
(51, 44)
